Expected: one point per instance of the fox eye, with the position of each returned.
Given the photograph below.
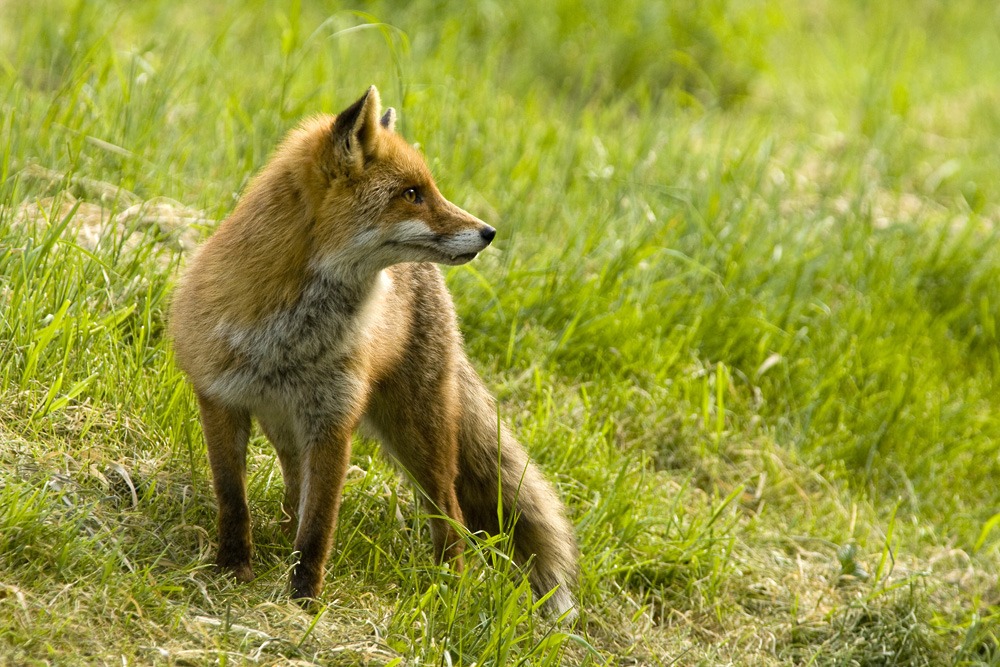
(412, 196)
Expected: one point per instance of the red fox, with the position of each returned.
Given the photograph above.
(315, 308)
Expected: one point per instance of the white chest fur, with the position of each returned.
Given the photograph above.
(302, 360)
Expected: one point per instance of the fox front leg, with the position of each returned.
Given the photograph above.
(226, 434)
(323, 469)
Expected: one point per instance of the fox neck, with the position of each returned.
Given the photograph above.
(358, 265)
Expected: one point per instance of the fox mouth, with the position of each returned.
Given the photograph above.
(461, 259)
(445, 257)
(439, 255)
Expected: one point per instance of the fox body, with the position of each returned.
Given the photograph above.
(315, 309)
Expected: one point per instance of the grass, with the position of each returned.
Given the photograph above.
(743, 309)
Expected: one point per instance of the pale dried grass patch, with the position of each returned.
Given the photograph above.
(173, 226)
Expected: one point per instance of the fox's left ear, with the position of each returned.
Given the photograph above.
(356, 127)
(389, 119)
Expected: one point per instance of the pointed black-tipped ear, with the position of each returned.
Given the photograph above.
(356, 127)
(389, 119)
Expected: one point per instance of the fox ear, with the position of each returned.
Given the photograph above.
(389, 119)
(356, 127)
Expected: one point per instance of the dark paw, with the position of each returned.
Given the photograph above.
(308, 605)
(242, 572)
(306, 600)
(305, 588)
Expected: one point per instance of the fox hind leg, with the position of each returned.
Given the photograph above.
(282, 438)
(442, 503)
(428, 452)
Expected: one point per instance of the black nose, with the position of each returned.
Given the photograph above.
(487, 233)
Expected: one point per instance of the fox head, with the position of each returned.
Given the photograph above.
(372, 200)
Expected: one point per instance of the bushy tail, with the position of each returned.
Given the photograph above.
(541, 529)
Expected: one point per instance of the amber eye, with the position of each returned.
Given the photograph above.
(412, 196)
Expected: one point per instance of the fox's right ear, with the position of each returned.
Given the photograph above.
(355, 129)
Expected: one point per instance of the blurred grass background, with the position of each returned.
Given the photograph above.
(743, 309)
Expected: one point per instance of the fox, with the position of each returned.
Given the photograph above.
(317, 310)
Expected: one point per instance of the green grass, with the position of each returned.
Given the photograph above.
(743, 308)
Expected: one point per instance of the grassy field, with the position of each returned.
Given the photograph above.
(743, 308)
